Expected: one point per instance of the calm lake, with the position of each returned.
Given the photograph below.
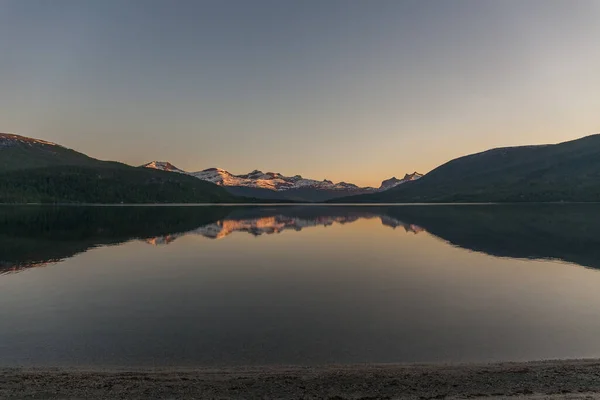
(143, 286)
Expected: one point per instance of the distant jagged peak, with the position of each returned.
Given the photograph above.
(262, 180)
(393, 181)
(274, 175)
(256, 174)
(412, 177)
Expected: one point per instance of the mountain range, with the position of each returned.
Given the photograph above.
(273, 185)
(37, 171)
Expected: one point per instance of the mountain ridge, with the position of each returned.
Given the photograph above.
(37, 171)
(563, 172)
(34, 170)
(393, 181)
(295, 187)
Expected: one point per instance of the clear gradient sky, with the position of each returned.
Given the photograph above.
(346, 90)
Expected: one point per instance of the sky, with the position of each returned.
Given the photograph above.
(351, 90)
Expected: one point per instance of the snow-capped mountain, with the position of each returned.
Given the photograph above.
(164, 166)
(10, 140)
(393, 182)
(270, 180)
(257, 179)
(273, 185)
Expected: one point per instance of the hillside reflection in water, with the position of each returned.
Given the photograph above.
(298, 285)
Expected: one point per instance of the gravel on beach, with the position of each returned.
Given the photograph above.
(571, 379)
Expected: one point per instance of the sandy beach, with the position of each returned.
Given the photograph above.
(574, 379)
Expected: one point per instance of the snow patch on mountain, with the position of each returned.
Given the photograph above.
(10, 140)
(164, 166)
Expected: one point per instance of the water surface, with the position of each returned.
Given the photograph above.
(142, 286)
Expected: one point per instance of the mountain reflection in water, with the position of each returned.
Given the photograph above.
(35, 236)
(276, 224)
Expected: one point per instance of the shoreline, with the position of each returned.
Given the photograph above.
(297, 204)
(576, 379)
